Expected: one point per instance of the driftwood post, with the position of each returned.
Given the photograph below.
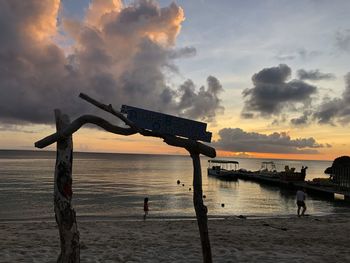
(200, 208)
(64, 213)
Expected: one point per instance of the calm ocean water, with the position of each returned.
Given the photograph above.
(114, 185)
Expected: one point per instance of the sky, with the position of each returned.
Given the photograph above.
(270, 78)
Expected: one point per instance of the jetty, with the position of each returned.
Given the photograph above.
(338, 187)
(329, 192)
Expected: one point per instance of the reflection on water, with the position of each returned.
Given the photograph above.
(115, 185)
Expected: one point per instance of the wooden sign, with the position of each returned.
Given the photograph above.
(167, 124)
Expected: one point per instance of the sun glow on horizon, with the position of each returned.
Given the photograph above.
(144, 53)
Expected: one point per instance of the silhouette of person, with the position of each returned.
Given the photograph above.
(145, 207)
(301, 196)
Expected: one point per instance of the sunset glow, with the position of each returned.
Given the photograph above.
(270, 82)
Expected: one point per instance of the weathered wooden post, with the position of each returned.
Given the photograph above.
(193, 130)
(200, 208)
(64, 212)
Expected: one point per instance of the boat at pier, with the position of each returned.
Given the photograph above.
(269, 173)
(223, 169)
(268, 169)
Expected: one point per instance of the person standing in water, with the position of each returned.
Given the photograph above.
(145, 207)
(301, 196)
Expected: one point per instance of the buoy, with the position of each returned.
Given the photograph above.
(178, 181)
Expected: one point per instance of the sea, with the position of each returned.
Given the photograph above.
(114, 185)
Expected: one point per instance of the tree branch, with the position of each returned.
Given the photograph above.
(77, 124)
(109, 108)
(190, 146)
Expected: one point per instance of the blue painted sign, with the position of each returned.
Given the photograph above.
(167, 124)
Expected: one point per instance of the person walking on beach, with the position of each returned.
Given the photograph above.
(145, 207)
(301, 196)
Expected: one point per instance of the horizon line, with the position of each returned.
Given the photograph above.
(164, 154)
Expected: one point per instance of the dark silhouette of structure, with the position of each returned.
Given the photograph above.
(339, 172)
(64, 212)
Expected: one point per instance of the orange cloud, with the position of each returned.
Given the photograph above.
(118, 54)
(100, 9)
(42, 24)
(167, 26)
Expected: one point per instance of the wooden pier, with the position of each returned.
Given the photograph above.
(328, 192)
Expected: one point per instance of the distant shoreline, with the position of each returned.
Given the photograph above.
(42, 152)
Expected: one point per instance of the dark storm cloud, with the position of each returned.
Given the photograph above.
(120, 56)
(274, 75)
(302, 120)
(272, 93)
(237, 140)
(194, 104)
(314, 75)
(31, 69)
(328, 110)
(333, 110)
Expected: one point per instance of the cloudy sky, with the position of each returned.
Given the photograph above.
(271, 78)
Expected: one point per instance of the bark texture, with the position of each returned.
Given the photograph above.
(64, 212)
(77, 124)
(200, 208)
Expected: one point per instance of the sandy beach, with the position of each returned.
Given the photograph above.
(308, 239)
